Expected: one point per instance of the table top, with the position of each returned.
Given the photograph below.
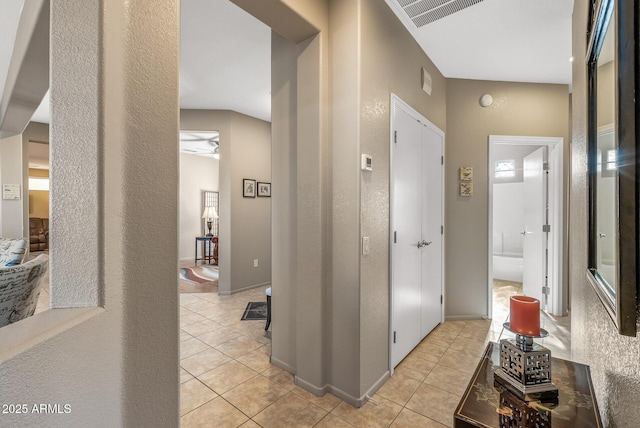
(486, 404)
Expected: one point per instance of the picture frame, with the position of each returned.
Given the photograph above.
(466, 188)
(248, 188)
(264, 189)
(612, 160)
(466, 173)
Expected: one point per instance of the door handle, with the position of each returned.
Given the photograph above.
(602, 235)
(523, 233)
(423, 243)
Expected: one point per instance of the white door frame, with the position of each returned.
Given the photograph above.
(558, 305)
(397, 102)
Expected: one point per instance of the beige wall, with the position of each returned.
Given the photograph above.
(615, 366)
(12, 224)
(38, 132)
(39, 199)
(109, 345)
(356, 345)
(197, 174)
(518, 109)
(245, 223)
(391, 62)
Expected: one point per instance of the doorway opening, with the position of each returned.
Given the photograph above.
(526, 223)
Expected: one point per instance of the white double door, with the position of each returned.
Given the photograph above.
(416, 229)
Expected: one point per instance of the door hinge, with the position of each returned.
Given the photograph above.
(394, 337)
(395, 136)
(441, 160)
(546, 166)
(395, 237)
(441, 299)
(546, 291)
(546, 228)
(441, 230)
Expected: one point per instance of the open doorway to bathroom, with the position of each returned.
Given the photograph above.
(526, 226)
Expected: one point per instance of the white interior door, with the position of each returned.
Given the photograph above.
(431, 229)
(535, 216)
(416, 221)
(407, 225)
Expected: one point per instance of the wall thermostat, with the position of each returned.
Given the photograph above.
(366, 163)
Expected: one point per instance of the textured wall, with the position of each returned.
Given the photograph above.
(283, 201)
(518, 109)
(391, 62)
(615, 366)
(250, 155)
(115, 362)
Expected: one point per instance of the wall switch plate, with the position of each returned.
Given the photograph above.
(366, 163)
(255, 262)
(365, 245)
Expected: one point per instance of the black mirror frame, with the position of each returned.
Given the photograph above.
(623, 306)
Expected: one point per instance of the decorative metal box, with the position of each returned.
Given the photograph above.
(525, 369)
(515, 413)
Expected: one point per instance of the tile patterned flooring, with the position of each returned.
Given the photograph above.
(226, 379)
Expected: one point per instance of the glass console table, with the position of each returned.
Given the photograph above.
(487, 404)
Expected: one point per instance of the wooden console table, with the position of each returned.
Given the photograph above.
(485, 404)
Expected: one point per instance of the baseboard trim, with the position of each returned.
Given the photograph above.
(344, 396)
(240, 290)
(281, 364)
(465, 317)
(315, 390)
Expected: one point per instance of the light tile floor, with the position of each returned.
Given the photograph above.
(227, 380)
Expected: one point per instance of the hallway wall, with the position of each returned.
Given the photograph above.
(108, 348)
(615, 366)
(518, 109)
(245, 223)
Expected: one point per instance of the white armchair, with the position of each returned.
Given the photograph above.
(12, 251)
(20, 289)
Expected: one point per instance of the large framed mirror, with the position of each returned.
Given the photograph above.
(612, 160)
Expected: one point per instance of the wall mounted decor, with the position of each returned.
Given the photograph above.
(466, 173)
(264, 189)
(248, 188)
(466, 188)
(11, 191)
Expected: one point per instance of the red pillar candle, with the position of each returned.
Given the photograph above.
(524, 316)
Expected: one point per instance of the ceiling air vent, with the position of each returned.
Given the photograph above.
(423, 12)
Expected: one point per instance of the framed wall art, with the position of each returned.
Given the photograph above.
(248, 188)
(466, 189)
(466, 173)
(264, 189)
